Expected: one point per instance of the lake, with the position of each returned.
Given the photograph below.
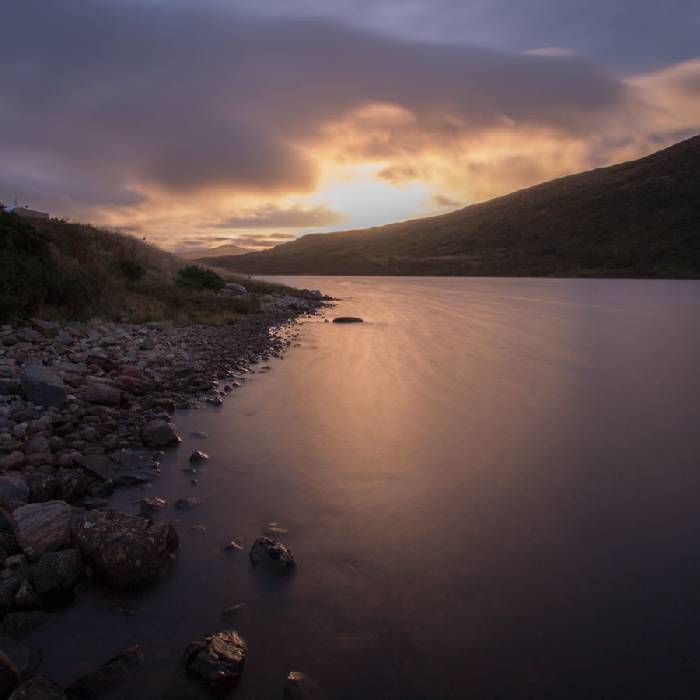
(491, 487)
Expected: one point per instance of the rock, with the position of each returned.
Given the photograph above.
(125, 549)
(58, 572)
(9, 340)
(8, 590)
(18, 624)
(268, 552)
(38, 689)
(233, 289)
(232, 611)
(187, 503)
(42, 527)
(48, 329)
(109, 469)
(198, 456)
(200, 434)
(159, 433)
(25, 659)
(105, 679)
(26, 597)
(65, 338)
(347, 319)
(151, 505)
(235, 544)
(9, 676)
(299, 686)
(101, 393)
(43, 386)
(39, 444)
(14, 460)
(43, 486)
(147, 344)
(14, 491)
(218, 659)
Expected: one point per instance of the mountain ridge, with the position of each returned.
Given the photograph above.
(640, 218)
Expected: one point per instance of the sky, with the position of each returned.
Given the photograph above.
(198, 123)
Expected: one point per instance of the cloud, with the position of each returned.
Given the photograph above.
(271, 216)
(127, 101)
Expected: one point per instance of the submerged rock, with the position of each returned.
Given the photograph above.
(268, 552)
(114, 673)
(299, 686)
(218, 659)
(124, 549)
(347, 319)
(187, 503)
(38, 689)
(42, 527)
(198, 456)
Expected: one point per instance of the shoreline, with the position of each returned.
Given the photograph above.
(112, 390)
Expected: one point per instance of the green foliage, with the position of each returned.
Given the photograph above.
(195, 277)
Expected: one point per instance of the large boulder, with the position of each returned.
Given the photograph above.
(43, 386)
(272, 554)
(57, 572)
(218, 659)
(124, 549)
(42, 527)
(14, 491)
(159, 433)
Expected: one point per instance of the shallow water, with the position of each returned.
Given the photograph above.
(492, 488)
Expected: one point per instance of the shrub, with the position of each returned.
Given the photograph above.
(195, 277)
(131, 270)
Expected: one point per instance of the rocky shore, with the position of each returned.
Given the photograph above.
(85, 409)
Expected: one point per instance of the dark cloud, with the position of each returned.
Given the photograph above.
(295, 217)
(630, 34)
(108, 98)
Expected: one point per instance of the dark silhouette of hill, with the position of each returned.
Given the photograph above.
(636, 219)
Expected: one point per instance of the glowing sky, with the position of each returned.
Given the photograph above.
(202, 122)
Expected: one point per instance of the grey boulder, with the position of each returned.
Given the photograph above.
(42, 527)
(43, 386)
(159, 433)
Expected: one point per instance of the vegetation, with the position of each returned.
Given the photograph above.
(53, 269)
(637, 219)
(195, 277)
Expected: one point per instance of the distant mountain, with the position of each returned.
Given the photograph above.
(637, 219)
(227, 249)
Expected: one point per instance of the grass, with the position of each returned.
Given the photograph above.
(75, 272)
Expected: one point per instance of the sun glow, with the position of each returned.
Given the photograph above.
(364, 198)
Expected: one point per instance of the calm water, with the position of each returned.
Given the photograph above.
(492, 488)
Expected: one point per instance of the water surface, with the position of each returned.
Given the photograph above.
(492, 489)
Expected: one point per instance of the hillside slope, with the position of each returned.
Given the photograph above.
(640, 218)
(64, 271)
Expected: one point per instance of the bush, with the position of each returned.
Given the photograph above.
(26, 269)
(195, 277)
(131, 270)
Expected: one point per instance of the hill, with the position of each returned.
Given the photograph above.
(227, 249)
(65, 271)
(636, 219)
